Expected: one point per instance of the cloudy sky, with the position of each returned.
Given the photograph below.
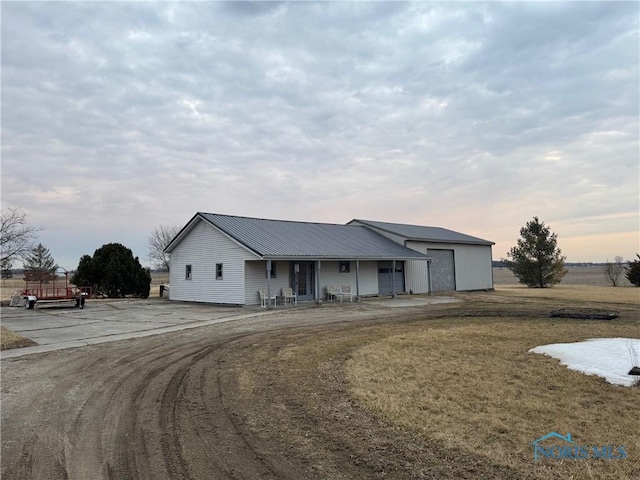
(121, 117)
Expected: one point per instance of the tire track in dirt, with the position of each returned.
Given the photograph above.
(151, 408)
(133, 411)
(177, 466)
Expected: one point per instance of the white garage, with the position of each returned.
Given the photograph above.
(458, 262)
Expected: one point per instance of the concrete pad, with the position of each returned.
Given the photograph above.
(411, 301)
(56, 328)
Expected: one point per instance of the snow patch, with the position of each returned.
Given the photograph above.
(611, 358)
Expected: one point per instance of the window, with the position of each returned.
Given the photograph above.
(187, 272)
(218, 271)
(345, 267)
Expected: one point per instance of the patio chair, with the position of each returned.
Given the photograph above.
(345, 291)
(264, 298)
(287, 293)
(332, 293)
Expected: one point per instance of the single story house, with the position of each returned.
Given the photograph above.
(227, 259)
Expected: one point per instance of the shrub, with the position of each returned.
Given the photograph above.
(113, 272)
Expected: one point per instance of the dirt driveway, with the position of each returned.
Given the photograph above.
(166, 406)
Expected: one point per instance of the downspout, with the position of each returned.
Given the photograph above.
(317, 292)
(358, 280)
(393, 279)
(269, 283)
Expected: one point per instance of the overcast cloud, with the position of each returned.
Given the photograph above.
(120, 117)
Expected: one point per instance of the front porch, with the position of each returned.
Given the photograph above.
(321, 280)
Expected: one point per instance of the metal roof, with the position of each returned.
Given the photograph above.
(423, 234)
(283, 239)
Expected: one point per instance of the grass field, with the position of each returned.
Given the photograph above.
(575, 276)
(460, 379)
(474, 387)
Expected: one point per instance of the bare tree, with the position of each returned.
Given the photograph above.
(158, 241)
(16, 237)
(613, 270)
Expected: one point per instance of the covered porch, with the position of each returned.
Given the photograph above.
(272, 281)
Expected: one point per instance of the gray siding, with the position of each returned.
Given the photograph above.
(256, 279)
(202, 248)
(472, 266)
(367, 278)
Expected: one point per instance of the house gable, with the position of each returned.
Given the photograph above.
(208, 266)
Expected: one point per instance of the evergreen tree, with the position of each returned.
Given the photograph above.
(536, 260)
(39, 259)
(6, 268)
(633, 271)
(113, 272)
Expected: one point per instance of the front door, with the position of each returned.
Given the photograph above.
(385, 277)
(303, 280)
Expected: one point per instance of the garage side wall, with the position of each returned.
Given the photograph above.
(203, 248)
(473, 269)
(416, 271)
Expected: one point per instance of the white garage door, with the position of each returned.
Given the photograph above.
(443, 272)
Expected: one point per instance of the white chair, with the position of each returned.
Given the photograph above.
(332, 293)
(264, 298)
(287, 293)
(345, 291)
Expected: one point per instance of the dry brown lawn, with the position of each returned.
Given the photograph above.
(449, 392)
(574, 294)
(473, 385)
(10, 339)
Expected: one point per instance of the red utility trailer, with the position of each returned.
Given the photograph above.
(47, 287)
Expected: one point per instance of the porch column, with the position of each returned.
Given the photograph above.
(317, 289)
(269, 283)
(393, 279)
(358, 280)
